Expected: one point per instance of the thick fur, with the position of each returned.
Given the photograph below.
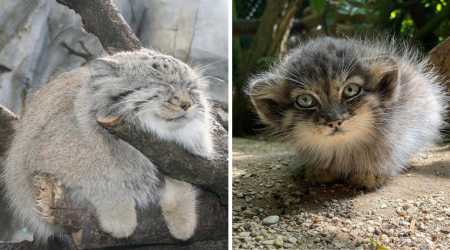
(399, 110)
(59, 135)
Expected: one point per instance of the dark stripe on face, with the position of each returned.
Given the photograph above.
(122, 95)
(137, 104)
(98, 76)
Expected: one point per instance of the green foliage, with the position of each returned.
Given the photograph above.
(318, 5)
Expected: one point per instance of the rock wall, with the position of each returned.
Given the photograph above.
(31, 31)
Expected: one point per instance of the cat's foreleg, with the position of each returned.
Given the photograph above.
(116, 213)
(178, 203)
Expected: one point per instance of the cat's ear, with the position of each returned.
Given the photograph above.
(267, 98)
(385, 77)
(104, 67)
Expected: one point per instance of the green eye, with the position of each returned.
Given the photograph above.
(351, 90)
(306, 101)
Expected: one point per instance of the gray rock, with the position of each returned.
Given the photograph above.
(270, 220)
(412, 210)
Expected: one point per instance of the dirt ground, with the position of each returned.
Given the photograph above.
(411, 211)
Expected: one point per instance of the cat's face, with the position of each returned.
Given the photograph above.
(149, 87)
(325, 93)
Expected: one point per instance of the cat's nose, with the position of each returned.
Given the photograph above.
(185, 105)
(335, 123)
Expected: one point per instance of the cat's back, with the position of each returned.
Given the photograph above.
(50, 113)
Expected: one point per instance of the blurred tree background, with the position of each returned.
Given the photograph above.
(265, 29)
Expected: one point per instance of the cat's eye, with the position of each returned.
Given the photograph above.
(306, 101)
(351, 90)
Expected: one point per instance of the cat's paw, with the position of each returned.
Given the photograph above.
(120, 221)
(368, 181)
(319, 176)
(178, 205)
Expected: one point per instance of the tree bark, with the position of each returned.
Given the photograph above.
(439, 58)
(103, 19)
(56, 207)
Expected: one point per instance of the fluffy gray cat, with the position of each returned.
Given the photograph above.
(59, 135)
(353, 109)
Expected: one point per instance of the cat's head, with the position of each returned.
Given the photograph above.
(326, 92)
(147, 87)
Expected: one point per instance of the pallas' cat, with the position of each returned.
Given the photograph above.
(353, 109)
(59, 135)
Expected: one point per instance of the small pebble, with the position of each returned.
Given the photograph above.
(271, 220)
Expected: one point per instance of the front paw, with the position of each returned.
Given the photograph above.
(120, 222)
(368, 181)
(319, 176)
(179, 208)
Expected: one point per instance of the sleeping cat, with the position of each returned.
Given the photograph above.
(353, 109)
(59, 135)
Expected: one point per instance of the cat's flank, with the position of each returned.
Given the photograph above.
(353, 109)
(59, 135)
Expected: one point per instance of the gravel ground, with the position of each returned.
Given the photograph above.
(274, 210)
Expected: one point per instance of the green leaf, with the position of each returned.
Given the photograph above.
(343, 10)
(356, 11)
(375, 11)
(318, 5)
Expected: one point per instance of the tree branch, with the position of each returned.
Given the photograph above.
(103, 19)
(74, 52)
(177, 162)
(56, 207)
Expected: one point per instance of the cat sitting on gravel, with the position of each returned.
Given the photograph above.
(59, 135)
(354, 109)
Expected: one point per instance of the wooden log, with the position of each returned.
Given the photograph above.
(23, 245)
(55, 205)
(177, 162)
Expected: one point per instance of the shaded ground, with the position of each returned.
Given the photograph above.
(412, 211)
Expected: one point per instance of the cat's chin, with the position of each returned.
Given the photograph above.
(192, 132)
(337, 133)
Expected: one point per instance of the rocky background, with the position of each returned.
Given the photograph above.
(31, 32)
